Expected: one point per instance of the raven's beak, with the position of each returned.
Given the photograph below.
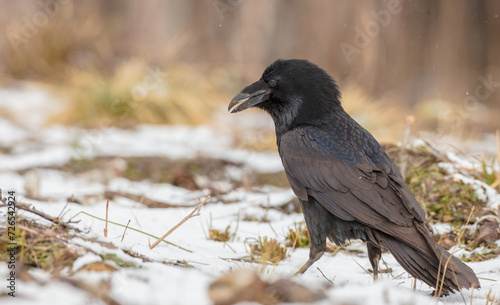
(252, 95)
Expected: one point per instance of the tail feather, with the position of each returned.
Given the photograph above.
(429, 265)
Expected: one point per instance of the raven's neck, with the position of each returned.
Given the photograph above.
(334, 120)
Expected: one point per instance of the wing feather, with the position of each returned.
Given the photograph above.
(372, 193)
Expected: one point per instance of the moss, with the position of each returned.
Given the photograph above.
(120, 262)
(444, 199)
(493, 251)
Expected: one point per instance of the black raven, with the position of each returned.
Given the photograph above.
(347, 185)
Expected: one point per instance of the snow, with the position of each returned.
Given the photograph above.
(85, 259)
(155, 282)
(458, 168)
(27, 104)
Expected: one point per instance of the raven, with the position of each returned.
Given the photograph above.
(346, 184)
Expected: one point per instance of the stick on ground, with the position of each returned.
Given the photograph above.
(26, 207)
(194, 213)
(125, 231)
(106, 222)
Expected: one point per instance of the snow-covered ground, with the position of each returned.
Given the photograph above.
(154, 282)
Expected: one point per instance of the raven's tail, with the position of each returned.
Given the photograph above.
(429, 266)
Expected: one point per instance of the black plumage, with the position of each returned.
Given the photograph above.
(347, 185)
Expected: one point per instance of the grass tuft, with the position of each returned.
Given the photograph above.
(266, 249)
(218, 235)
(298, 236)
(137, 93)
(38, 246)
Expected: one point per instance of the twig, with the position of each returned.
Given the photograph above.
(489, 298)
(247, 260)
(230, 260)
(119, 224)
(296, 240)
(226, 244)
(387, 267)
(367, 272)
(451, 254)
(61, 213)
(471, 294)
(436, 290)
(400, 275)
(340, 248)
(26, 207)
(123, 236)
(237, 227)
(325, 276)
(271, 226)
(106, 222)
(486, 279)
(151, 203)
(194, 213)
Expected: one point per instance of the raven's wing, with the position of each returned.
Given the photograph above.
(352, 178)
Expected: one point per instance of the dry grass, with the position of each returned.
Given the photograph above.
(139, 93)
(298, 236)
(440, 281)
(442, 197)
(220, 235)
(266, 249)
(39, 246)
(45, 243)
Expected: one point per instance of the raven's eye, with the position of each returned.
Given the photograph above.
(272, 83)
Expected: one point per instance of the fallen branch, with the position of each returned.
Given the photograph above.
(151, 203)
(194, 213)
(55, 220)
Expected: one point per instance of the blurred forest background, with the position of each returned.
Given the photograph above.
(122, 63)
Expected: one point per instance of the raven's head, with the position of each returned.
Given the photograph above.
(293, 91)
